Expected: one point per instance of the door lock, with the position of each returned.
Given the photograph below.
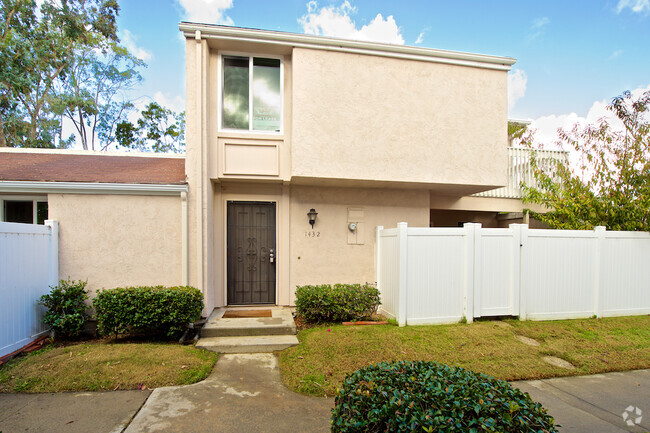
(271, 256)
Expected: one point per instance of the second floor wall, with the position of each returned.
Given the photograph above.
(282, 107)
(369, 117)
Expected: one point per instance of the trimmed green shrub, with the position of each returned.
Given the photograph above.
(66, 310)
(342, 302)
(425, 396)
(155, 310)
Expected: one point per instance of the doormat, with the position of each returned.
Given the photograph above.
(246, 314)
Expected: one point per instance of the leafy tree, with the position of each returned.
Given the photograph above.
(610, 184)
(92, 96)
(158, 129)
(37, 48)
(516, 129)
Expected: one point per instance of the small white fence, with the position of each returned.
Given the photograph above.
(29, 264)
(440, 275)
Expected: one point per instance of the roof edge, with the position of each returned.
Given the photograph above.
(31, 187)
(33, 150)
(213, 31)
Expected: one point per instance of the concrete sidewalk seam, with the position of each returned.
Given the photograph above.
(610, 418)
(21, 408)
(128, 423)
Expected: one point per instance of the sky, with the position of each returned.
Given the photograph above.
(573, 56)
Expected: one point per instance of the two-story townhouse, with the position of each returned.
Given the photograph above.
(363, 134)
(298, 147)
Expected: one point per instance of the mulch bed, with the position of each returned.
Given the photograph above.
(37, 344)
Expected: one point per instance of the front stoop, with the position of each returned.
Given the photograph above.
(249, 335)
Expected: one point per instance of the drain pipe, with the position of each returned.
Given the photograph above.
(184, 240)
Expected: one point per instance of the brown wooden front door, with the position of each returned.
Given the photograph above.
(251, 253)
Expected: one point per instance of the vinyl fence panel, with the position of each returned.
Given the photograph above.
(437, 275)
(625, 274)
(559, 274)
(28, 266)
(497, 258)
(388, 275)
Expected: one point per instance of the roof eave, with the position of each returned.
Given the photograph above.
(210, 31)
(31, 187)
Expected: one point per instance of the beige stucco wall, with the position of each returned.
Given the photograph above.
(361, 121)
(118, 240)
(328, 257)
(370, 117)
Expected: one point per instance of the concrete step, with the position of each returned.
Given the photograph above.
(248, 344)
(280, 323)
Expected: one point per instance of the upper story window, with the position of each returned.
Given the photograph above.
(23, 210)
(251, 93)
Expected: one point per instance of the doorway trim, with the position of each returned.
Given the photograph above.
(271, 205)
(254, 192)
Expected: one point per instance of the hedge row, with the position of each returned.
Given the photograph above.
(341, 302)
(157, 310)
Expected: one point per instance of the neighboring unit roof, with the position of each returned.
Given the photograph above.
(241, 34)
(65, 167)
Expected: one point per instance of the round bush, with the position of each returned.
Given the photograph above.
(425, 396)
(66, 309)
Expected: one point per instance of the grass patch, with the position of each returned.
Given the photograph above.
(326, 354)
(104, 366)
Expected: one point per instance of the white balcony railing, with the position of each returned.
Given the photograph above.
(520, 170)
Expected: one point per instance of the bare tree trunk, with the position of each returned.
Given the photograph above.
(3, 140)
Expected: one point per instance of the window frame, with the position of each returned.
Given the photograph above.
(34, 199)
(220, 71)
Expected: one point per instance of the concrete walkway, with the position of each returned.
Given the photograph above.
(70, 412)
(244, 393)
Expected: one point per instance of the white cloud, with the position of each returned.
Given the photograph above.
(539, 23)
(517, 81)
(129, 41)
(636, 6)
(615, 54)
(546, 127)
(207, 11)
(175, 103)
(538, 27)
(336, 21)
(420, 38)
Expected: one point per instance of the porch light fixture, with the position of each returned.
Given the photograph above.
(312, 216)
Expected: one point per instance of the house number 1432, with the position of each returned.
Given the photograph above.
(312, 234)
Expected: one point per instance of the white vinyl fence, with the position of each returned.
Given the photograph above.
(29, 264)
(440, 275)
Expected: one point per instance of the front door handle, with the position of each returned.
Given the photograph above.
(271, 256)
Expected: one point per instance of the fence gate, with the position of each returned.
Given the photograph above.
(496, 274)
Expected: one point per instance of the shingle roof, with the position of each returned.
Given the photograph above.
(52, 167)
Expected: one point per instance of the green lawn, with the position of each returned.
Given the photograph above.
(106, 365)
(326, 354)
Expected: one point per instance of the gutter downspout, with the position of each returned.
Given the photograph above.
(184, 240)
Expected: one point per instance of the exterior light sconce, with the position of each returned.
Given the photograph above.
(312, 216)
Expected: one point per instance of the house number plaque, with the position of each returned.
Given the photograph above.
(312, 234)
